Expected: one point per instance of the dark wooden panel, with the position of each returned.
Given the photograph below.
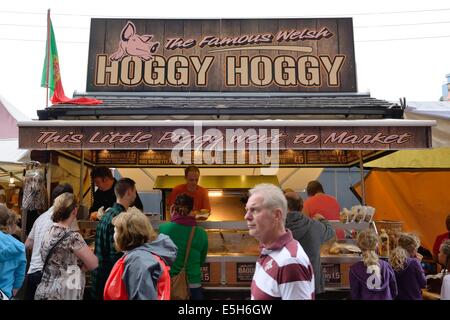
(286, 25)
(96, 45)
(212, 27)
(328, 47)
(310, 24)
(112, 39)
(248, 26)
(192, 30)
(301, 30)
(346, 47)
(267, 26)
(228, 28)
(155, 28)
(173, 28)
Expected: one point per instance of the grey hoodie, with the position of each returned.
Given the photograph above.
(311, 234)
(142, 270)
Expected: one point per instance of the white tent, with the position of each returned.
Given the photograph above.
(439, 156)
(12, 158)
(439, 111)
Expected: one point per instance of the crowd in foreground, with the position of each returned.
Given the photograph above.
(133, 262)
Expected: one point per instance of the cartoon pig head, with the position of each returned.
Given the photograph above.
(132, 44)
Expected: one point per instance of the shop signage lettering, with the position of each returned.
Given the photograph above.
(222, 55)
(204, 138)
(260, 70)
(184, 139)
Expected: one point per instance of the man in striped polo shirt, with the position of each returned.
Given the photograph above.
(283, 270)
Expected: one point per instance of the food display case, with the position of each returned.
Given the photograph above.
(232, 252)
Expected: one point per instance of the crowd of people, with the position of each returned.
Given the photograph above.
(132, 261)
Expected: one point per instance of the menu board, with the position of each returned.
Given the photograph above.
(244, 272)
(206, 272)
(331, 274)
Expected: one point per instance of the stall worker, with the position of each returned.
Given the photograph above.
(192, 189)
(441, 238)
(320, 203)
(104, 196)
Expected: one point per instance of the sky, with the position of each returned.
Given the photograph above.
(402, 48)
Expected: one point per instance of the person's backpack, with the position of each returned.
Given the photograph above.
(115, 288)
(179, 282)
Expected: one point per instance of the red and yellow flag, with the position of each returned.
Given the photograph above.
(56, 90)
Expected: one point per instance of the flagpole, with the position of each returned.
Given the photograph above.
(48, 57)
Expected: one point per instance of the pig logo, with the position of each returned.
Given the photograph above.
(134, 45)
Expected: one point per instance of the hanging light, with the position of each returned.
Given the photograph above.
(11, 180)
(215, 193)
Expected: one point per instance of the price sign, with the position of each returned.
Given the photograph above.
(331, 274)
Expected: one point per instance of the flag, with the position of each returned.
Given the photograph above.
(56, 90)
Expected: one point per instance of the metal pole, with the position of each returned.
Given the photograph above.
(361, 169)
(48, 58)
(49, 180)
(81, 178)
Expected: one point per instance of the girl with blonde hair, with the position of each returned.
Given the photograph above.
(444, 259)
(409, 273)
(371, 278)
(142, 272)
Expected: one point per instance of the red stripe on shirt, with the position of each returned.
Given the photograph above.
(294, 272)
(258, 294)
(288, 273)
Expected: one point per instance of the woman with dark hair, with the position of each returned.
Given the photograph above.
(65, 255)
(179, 230)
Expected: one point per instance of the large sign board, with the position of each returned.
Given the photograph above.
(293, 55)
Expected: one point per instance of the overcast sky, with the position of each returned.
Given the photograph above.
(402, 48)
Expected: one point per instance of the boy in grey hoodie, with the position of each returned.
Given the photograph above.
(140, 261)
(139, 269)
(311, 234)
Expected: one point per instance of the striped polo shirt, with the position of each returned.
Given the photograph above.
(283, 271)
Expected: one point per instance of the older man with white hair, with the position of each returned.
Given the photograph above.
(283, 270)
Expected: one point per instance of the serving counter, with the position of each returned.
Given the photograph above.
(232, 254)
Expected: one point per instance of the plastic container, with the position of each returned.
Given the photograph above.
(392, 228)
(384, 243)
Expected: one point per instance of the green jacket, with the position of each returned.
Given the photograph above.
(199, 248)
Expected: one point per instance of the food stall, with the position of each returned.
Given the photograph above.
(264, 94)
